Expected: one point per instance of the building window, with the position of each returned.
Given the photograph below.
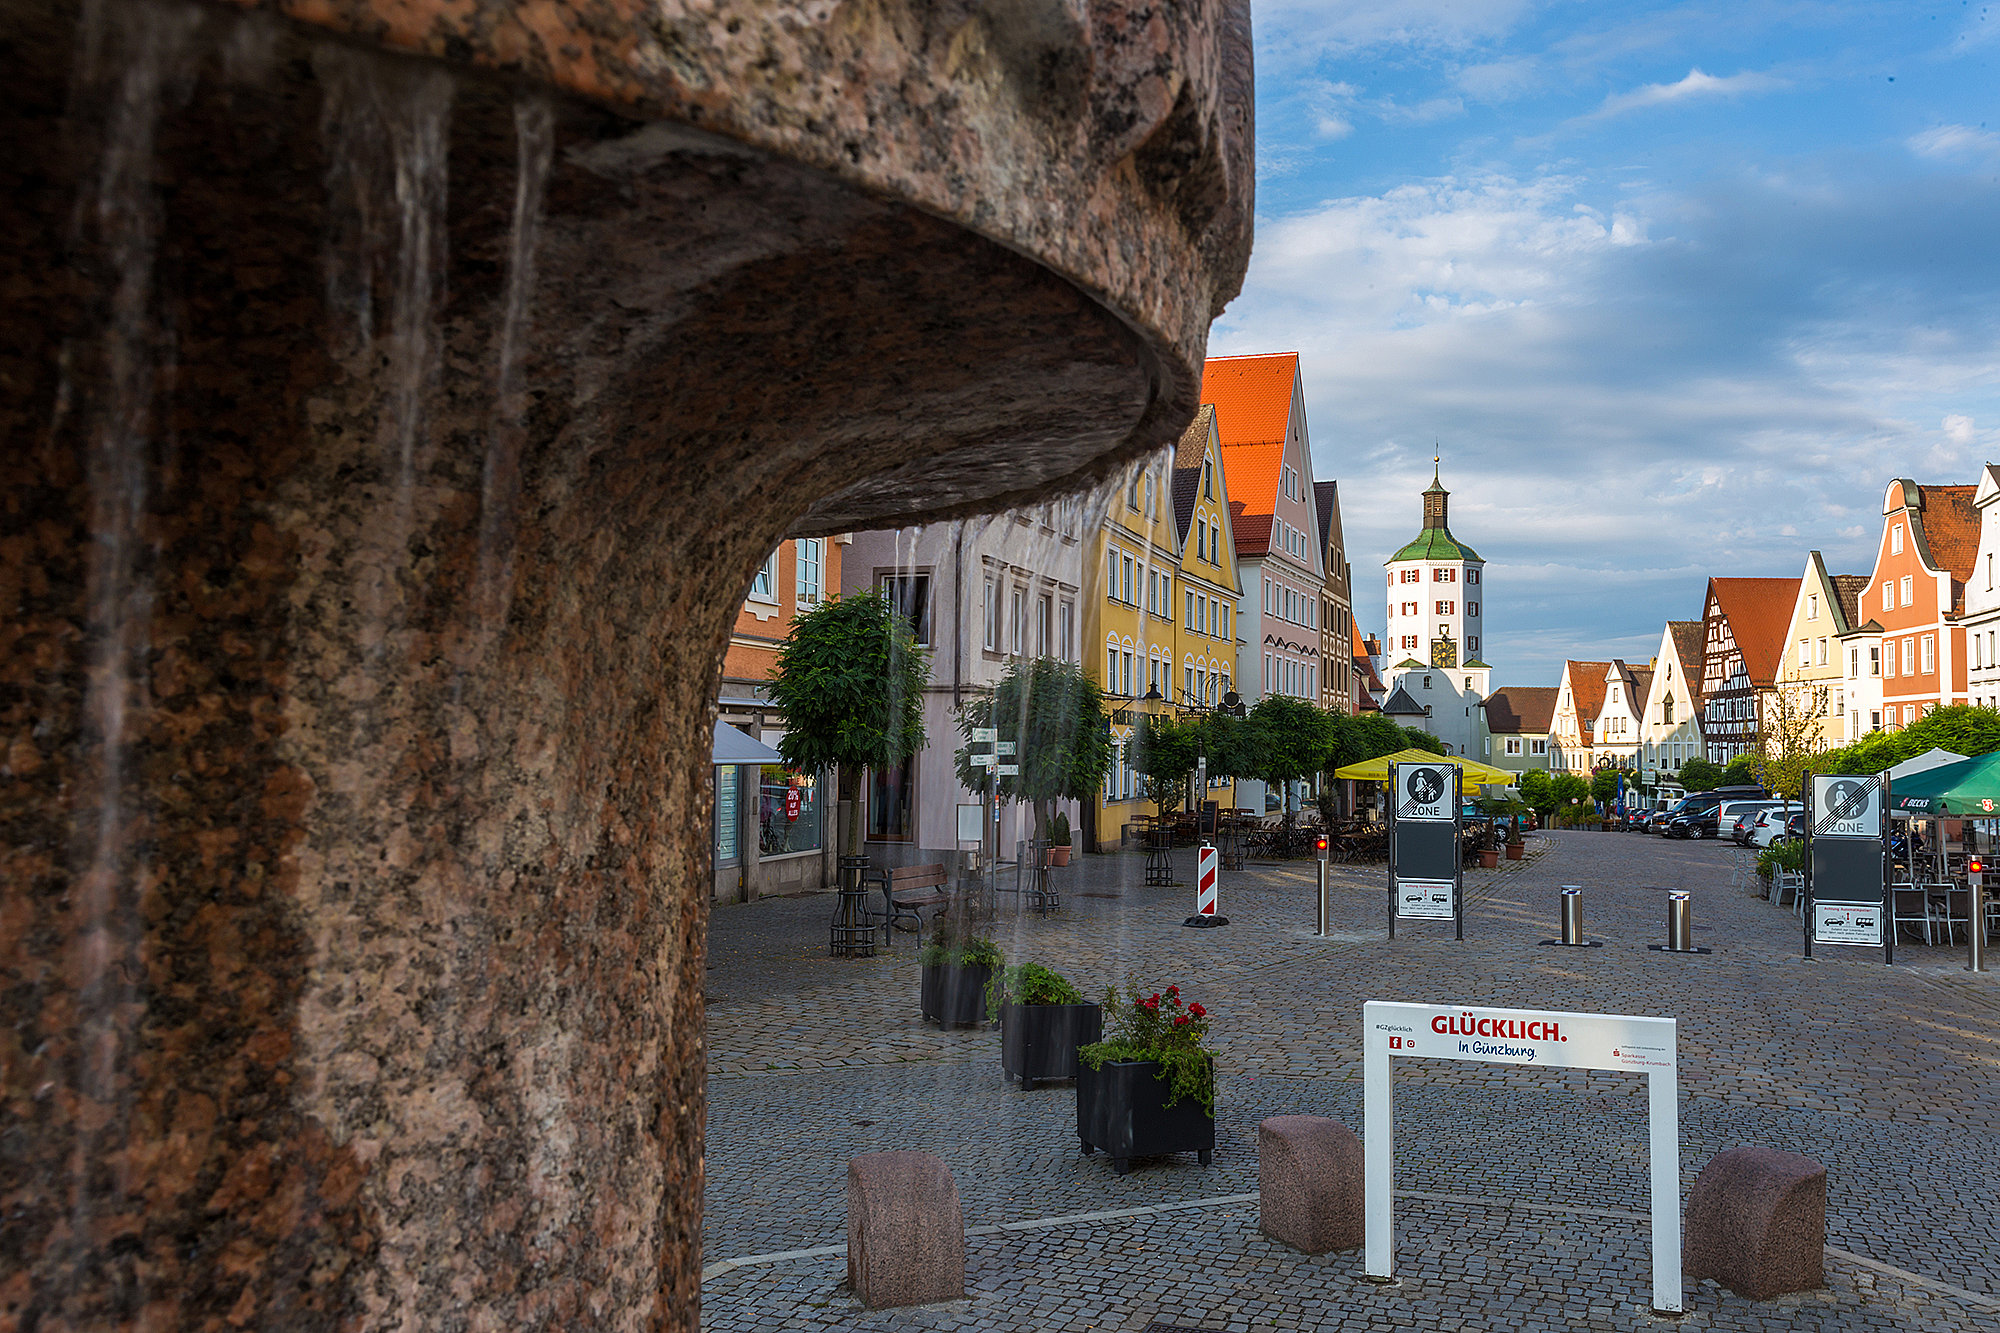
(764, 586)
(812, 574)
(1805, 652)
(1129, 598)
(1513, 745)
(1111, 671)
(1896, 540)
(1909, 656)
(1187, 609)
(1068, 628)
(788, 812)
(1045, 618)
(910, 597)
(1472, 643)
(1888, 594)
(991, 606)
(1874, 719)
(1812, 607)
(1667, 710)
(1472, 576)
(1853, 663)
(1820, 653)
(1906, 590)
(1874, 659)
(1208, 477)
(1930, 654)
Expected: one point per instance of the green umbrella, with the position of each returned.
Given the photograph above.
(1968, 787)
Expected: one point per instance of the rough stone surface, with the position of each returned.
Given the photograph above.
(1309, 1183)
(1756, 1222)
(905, 1232)
(354, 715)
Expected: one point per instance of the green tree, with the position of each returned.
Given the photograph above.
(1742, 771)
(1569, 788)
(1291, 741)
(850, 680)
(1229, 745)
(1166, 750)
(1700, 775)
(1053, 717)
(1363, 736)
(1538, 792)
(1413, 739)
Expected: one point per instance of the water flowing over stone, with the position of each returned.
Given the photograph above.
(385, 472)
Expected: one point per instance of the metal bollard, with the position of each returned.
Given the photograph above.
(1325, 902)
(1975, 929)
(1680, 922)
(1572, 914)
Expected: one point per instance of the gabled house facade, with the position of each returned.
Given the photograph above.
(1260, 414)
(1743, 639)
(1811, 689)
(1616, 735)
(1573, 726)
(1211, 586)
(1336, 618)
(1982, 597)
(1518, 721)
(1670, 733)
(1930, 542)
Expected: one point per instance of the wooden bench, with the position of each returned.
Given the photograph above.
(921, 886)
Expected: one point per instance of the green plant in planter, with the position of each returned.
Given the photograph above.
(1059, 833)
(952, 943)
(1163, 1028)
(1785, 854)
(1029, 983)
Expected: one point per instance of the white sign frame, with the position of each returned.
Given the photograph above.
(1863, 822)
(1620, 1042)
(1840, 923)
(1443, 810)
(1436, 899)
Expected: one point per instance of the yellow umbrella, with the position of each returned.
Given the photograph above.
(1472, 771)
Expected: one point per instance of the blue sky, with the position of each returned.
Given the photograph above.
(1674, 289)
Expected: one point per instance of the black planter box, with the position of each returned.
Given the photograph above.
(954, 996)
(1120, 1112)
(1039, 1041)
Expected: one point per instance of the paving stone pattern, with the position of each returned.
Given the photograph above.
(1887, 1075)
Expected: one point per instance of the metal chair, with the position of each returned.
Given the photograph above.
(1949, 906)
(1910, 906)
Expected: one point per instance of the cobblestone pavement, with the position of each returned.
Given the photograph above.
(1885, 1074)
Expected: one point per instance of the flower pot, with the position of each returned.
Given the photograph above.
(1059, 855)
(954, 996)
(1514, 850)
(1039, 1041)
(1121, 1111)
(1489, 857)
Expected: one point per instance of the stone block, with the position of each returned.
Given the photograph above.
(1309, 1183)
(1756, 1223)
(905, 1231)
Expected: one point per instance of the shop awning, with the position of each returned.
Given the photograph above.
(1968, 787)
(733, 747)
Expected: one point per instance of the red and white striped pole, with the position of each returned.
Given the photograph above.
(1205, 913)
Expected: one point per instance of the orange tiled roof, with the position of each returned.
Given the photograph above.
(1586, 687)
(1252, 397)
(1759, 613)
(1951, 528)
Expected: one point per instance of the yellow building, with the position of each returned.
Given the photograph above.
(1162, 613)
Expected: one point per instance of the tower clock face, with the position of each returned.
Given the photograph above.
(1444, 653)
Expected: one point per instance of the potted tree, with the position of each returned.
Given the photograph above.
(1148, 1089)
(1165, 752)
(1050, 716)
(958, 967)
(1290, 740)
(1043, 1020)
(1059, 839)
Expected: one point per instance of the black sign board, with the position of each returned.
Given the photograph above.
(1847, 893)
(1426, 877)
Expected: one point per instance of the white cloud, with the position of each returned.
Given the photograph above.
(1958, 429)
(1695, 85)
(1957, 143)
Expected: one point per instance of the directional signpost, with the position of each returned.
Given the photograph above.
(1847, 862)
(1425, 867)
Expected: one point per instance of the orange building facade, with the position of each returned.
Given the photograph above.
(1930, 540)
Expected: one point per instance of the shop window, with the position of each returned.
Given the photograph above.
(788, 812)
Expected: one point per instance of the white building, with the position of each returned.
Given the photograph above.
(1670, 726)
(1982, 598)
(1618, 733)
(1436, 588)
(981, 595)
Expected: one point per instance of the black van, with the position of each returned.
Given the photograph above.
(1695, 816)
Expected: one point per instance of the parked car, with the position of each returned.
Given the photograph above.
(1636, 817)
(1739, 817)
(1771, 823)
(1695, 816)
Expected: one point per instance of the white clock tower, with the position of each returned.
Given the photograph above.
(1436, 596)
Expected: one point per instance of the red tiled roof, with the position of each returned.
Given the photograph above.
(1586, 686)
(1252, 397)
(1759, 612)
(1514, 709)
(1688, 637)
(1848, 588)
(1951, 528)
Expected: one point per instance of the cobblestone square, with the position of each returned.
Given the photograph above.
(1522, 1193)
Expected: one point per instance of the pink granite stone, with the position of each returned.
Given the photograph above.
(1309, 1183)
(905, 1232)
(1756, 1223)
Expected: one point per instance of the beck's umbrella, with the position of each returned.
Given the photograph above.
(1471, 770)
(1968, 787)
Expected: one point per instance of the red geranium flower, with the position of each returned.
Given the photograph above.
(1197, 1010)
(1155, 1001)
(1174, 991)
(1181, 1020)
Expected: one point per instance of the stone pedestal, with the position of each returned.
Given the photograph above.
(1310, 1183)
(397, 399)
(905, 1232)
(1756, 1223)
